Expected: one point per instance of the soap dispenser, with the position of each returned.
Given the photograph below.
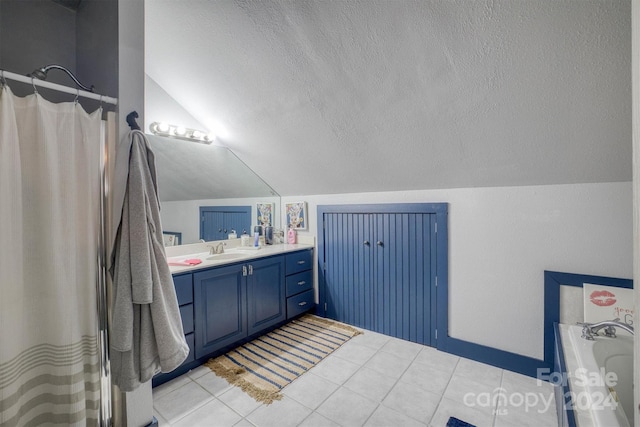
(291, 235)
(245, 239)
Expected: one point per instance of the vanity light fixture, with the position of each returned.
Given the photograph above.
(180, 132)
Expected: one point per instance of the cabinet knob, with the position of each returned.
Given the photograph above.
(225, 230)
(379, 243)
(303, 303)
(366, 242)
(219, 230)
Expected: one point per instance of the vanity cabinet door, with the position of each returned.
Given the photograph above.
(220, 317)
(266, 303)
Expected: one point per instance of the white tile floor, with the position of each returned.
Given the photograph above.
(372, 380)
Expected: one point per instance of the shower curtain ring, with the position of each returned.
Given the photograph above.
(35, 90)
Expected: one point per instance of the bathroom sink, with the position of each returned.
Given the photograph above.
(224, 256)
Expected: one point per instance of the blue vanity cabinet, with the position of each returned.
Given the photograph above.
(183, 284)
(299, 282)
(220, 307)
(236, 301)
(223, 306)
(184, 293)
(265, 293)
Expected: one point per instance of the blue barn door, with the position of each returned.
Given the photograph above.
(379, 271)
(349, 272)
(216, 222)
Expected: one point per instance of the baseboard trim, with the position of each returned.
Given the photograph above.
(492, 356)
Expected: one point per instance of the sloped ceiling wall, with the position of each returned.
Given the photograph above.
(322, 97)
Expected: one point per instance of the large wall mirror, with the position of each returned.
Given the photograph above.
(192, 176)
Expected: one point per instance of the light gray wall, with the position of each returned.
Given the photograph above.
(35, 34)
(97, 48)
(160, 107)
(139, 403)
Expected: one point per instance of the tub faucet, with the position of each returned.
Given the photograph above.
(217, 249)
(609, 326)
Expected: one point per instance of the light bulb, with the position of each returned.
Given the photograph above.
(163, 127)
(180, 131)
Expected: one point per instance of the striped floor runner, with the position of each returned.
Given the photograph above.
(267, 364)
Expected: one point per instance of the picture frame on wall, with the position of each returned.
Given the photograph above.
(265, 212)
(296, 215)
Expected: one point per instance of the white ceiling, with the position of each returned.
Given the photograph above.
(323, 97)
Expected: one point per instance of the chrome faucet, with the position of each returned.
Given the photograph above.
(609, 327)
(217, 249)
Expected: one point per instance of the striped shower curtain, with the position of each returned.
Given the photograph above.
(49, 230)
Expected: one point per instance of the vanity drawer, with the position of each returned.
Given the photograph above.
(299, 282)
(299, 261)
(300, 303)
(184, 288)
(186, 312)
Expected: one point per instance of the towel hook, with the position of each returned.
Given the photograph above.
(131, 120)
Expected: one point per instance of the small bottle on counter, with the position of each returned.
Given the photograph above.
(291, 236)
(268, 235)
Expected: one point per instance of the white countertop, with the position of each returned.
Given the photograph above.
(201, 251)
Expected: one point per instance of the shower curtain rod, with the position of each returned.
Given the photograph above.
(59, 88)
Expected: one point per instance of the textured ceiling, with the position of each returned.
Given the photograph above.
(326, 97)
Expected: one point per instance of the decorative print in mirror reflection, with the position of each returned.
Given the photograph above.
(265, 213)
(296, 215)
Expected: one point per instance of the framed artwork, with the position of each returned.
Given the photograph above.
(172, 238)
(265, 213)
(296, 215)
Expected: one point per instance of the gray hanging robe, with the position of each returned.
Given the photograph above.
(146, 335)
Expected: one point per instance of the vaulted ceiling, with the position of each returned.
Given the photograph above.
(322, 97)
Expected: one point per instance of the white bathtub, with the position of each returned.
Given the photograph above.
(600, 377)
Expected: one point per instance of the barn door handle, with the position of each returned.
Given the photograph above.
(379, 243)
